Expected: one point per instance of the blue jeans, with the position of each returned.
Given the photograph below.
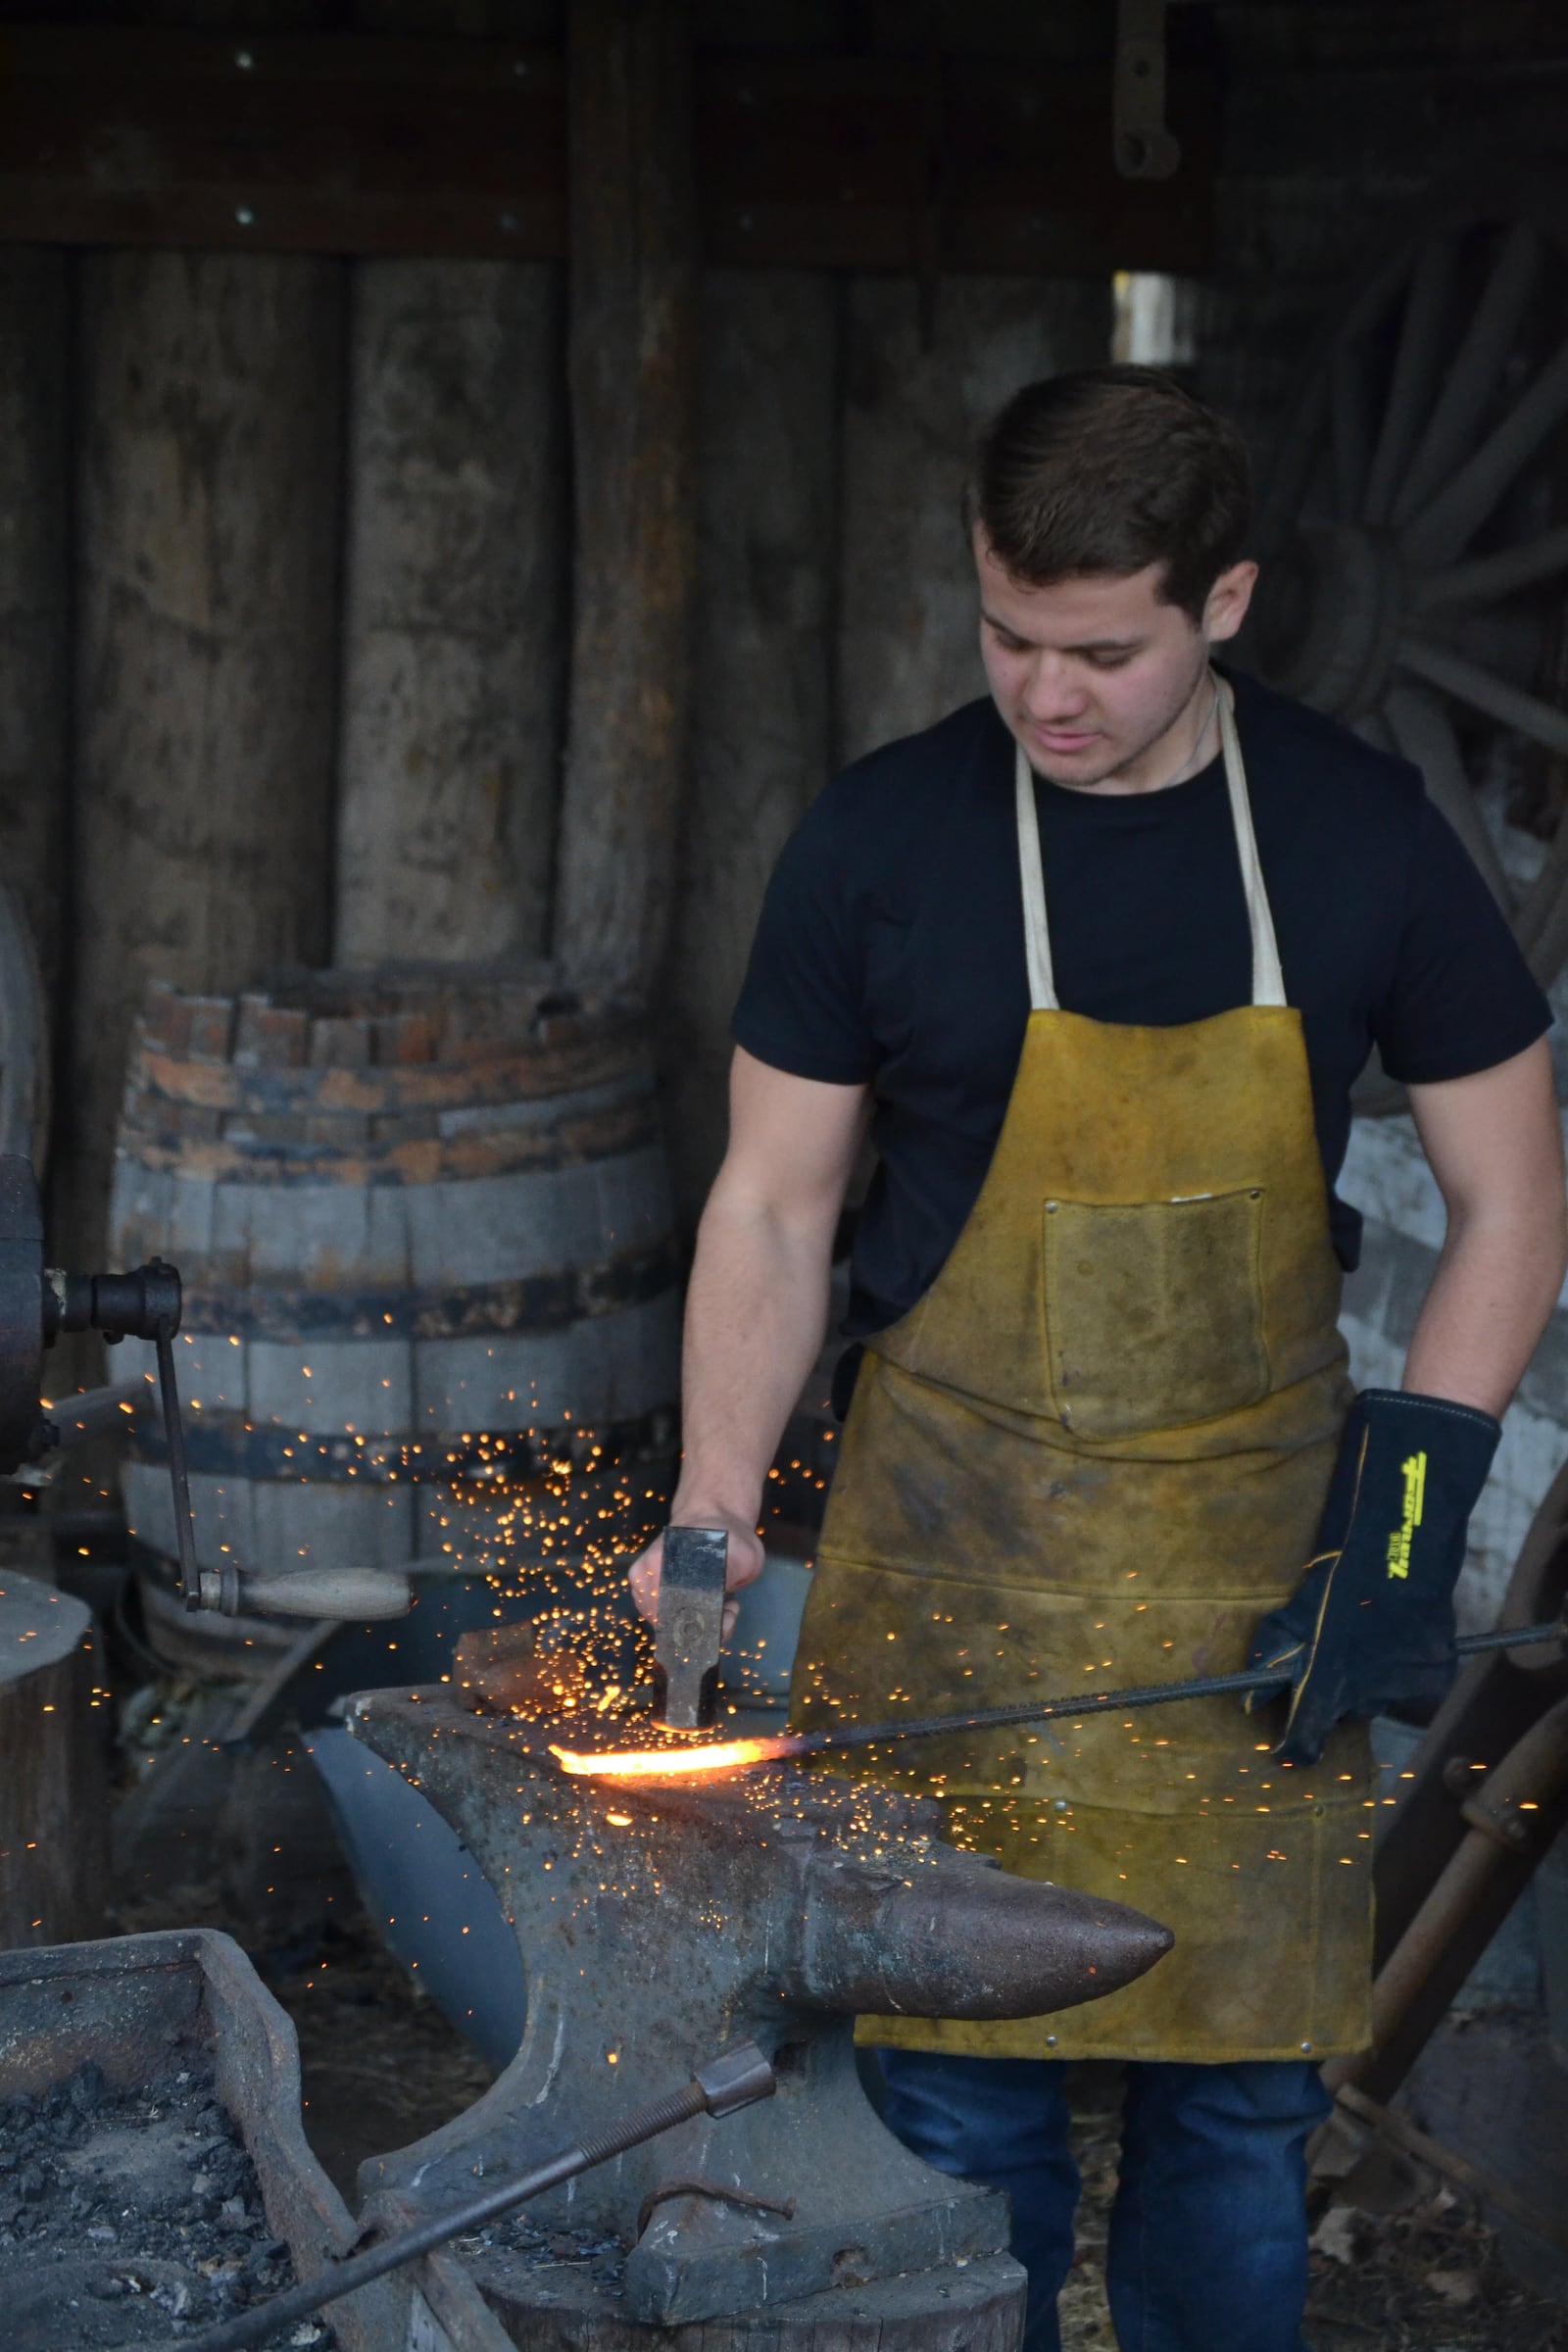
(1207, 2244)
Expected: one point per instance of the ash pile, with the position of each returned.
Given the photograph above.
(131, 2218)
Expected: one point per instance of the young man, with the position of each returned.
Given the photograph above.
(1099, 960)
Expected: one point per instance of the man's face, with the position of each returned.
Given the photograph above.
(1096, 677)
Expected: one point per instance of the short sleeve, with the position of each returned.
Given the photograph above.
(801, 1006)
(1460, 998)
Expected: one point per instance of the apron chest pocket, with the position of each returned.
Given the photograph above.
(1154, 1311)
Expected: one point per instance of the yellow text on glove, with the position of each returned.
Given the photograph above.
(1414, 1468)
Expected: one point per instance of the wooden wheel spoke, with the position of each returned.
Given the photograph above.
(1426, 313)
(1456, 514)
(1498, 698)
(1374, 728)
(1350, 430)
(1490, 579)
(1457, 418)
(1425, 735)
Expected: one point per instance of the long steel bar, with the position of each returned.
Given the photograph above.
(783, 1746)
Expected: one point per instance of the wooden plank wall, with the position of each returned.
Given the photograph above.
(287, 559)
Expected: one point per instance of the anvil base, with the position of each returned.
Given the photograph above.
(968, 2305)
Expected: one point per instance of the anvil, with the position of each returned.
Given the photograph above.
(668, 1919)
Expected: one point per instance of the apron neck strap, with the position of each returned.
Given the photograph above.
(1268, 979)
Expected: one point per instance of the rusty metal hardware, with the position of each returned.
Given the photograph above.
(735, 2079)
(1141, 142)
(1512, 1817)
(719, 2189)
(776, 1905)
(690, 1629)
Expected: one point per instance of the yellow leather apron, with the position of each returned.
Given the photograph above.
(1094, 1454)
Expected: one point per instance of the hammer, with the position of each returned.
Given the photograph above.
(689, 1628)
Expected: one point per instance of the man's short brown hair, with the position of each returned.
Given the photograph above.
(1108, 471)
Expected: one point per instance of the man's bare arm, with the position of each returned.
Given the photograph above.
(757, 1305)
(1494, 1145)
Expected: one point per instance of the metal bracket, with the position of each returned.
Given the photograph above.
(1141, 142)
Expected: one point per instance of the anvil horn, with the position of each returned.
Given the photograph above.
(962, 1938)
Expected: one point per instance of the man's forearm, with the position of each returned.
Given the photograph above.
(1496, 1284)
(755, 1317)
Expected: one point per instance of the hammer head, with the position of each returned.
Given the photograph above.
(691, 1623)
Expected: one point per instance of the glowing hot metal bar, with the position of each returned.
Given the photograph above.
(732, 1755)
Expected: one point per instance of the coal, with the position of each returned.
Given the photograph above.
(132, 2218)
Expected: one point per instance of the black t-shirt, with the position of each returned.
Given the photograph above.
(890, 948)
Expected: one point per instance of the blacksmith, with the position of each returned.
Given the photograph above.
(1097, 959)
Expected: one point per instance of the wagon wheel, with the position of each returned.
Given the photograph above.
(1415, 540)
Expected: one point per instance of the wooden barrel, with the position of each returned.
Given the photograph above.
(432, 1287)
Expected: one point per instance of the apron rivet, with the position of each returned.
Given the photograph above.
(1050, 2041)
(1256, 1192)
(1051, 1208)
(1306, 2047)
(1062, 1804)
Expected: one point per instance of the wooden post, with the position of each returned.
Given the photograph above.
(631, 367)
(453, 635)
(211, 417)
(54, 1797)
(908, 646)
(34, 565)
(762, 730)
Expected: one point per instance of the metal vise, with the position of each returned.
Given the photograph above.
(660, 1918)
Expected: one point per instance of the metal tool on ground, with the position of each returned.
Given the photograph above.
(786, 1746)
(777, 1906)
(734, 2080)
(690, 1628)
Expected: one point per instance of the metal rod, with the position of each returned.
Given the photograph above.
(190, 1576)
(1140, 1695)
(782, 1747)
(737, 2079)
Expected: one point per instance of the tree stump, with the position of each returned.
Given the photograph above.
(54, 1797)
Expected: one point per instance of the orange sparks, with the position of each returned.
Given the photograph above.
(674, 1763)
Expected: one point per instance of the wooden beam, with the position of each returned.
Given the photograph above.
(631, 373)
(342, 144)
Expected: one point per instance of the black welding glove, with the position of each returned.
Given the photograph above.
(1371, 1624)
